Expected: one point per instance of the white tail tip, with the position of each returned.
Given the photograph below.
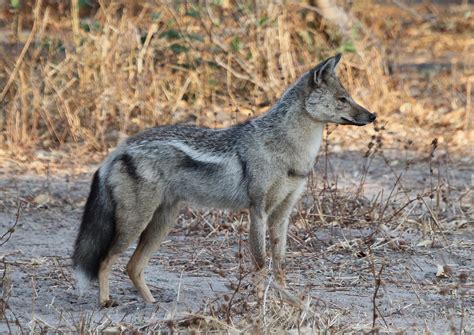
(82, 281)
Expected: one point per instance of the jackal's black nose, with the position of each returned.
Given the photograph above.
(372, 117)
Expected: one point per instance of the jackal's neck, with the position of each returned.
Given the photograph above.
(290, 127)
(303, 134)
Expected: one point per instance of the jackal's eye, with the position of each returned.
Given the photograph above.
(343, 99)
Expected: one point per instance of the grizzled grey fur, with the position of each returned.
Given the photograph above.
(260, 165)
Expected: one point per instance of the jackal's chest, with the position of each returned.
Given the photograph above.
(301, 154)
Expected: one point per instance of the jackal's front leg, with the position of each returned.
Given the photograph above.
(278, 224)
(258, 224)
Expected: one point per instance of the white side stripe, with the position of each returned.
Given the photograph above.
(197, 155)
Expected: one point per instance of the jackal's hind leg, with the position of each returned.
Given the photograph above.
(119, 245)
(151, 238)
(129, 224)
(104, 271)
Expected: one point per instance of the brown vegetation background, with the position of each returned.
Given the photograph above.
(82, 76)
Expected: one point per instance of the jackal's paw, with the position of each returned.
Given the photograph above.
(108, 303)
(150, 300)
(280, 279)
(259, 281)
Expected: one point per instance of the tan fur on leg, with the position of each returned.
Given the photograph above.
(104, 271)
(157, 230)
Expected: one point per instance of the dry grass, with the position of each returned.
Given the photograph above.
(86, 80)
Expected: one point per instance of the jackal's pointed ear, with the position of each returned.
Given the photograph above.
(325, 69)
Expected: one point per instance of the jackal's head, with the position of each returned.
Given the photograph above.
(328, 101)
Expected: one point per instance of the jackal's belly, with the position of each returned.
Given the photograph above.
(224, 192)
(218, 203)
(217, 184)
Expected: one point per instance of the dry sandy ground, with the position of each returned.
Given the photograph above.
(197, 263)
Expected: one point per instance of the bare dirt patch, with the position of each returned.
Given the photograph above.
(336, 261)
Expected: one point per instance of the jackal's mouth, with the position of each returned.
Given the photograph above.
(353, 122)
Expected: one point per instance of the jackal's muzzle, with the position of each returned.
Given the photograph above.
(360, 117)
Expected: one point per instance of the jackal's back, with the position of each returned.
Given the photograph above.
(194, 165)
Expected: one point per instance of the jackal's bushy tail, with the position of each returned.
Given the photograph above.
(96, 233)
